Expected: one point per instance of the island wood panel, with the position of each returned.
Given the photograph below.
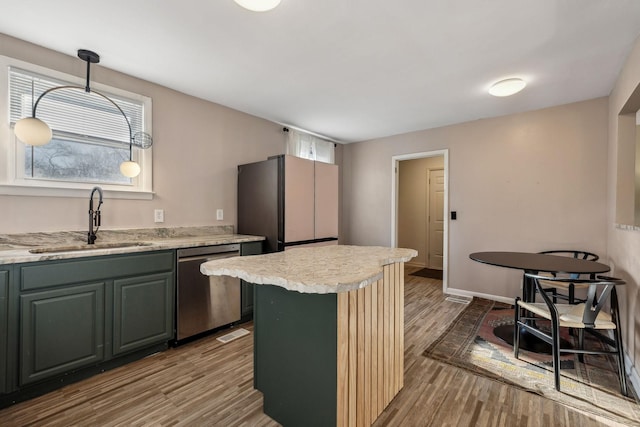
(380, 352)
(342, 407)
(353, 362)
(398, 330)
(362, 353)
(374, 349)
(370, 354)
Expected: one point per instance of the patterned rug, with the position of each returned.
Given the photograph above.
(591, 387)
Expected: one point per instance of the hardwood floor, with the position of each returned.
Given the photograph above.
(207, 383)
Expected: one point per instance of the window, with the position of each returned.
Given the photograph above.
(90, 136)
(302, 144)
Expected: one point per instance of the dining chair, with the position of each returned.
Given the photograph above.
(587, 316)
(569, 288)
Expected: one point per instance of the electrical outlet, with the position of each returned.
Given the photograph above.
(158, 215)
(219, 215)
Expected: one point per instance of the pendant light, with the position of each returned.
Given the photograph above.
(33, 131)
(258, 5)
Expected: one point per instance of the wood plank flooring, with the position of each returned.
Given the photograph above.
(207, 383)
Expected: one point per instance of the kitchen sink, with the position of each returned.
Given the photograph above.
(86, 247)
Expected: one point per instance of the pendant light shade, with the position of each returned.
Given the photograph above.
(258, 5)
(130, 169)
(33, 131)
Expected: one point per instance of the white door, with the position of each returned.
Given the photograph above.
(435, 218)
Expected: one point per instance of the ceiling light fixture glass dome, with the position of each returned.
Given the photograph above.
(507, 87)
(258, 5)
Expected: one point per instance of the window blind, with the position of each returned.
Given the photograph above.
(73, 111)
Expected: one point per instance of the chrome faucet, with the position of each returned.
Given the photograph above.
(94, 216)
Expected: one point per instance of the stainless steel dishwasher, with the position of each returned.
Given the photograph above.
(205, 302)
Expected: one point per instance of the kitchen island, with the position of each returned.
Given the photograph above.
(329, 330)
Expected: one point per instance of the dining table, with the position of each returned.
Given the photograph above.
(535, 263)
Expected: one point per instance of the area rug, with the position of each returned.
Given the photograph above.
(429, 273)
(591, 387)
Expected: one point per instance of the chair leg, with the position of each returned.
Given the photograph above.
(555, 349)
(621, 370)
(617, 336)
(516, 330)
(572, 294)
(572, 300)
(580, 344)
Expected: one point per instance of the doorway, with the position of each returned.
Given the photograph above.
(420, 206)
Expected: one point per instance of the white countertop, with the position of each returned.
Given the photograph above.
(320, 270)
(15, 248)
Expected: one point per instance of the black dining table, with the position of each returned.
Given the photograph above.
(535, 263)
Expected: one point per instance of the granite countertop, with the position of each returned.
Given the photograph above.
(20, 248)
(320, 270)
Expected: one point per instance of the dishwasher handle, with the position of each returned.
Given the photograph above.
(227, 250)
(210, 257)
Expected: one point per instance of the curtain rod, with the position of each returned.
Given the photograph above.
(287, 127)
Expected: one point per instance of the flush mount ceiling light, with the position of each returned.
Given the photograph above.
(33, 131)
(258, 5)
(507, 87)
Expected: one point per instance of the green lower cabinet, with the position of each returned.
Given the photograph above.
(4, 322)
(142, 311)
(61, 330)
(79, 313)
(246, 289)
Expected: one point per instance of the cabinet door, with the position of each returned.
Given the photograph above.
(326, 200)
(298, 199)
(61, 330)
(246, 300)
(4, 301)
(143, 311)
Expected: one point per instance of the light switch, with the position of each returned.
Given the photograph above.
(158, 215)
(219, 215)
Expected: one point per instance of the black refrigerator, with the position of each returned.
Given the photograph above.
(291, 201)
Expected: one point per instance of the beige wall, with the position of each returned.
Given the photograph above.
(524, 182)
(413, 205)
(624, 244)
(197, 146)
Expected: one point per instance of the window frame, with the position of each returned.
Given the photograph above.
(12, 180)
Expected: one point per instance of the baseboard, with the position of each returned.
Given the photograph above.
(468, 294)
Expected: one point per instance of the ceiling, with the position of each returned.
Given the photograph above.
(350, 70)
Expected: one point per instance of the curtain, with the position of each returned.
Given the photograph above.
(301, 144)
